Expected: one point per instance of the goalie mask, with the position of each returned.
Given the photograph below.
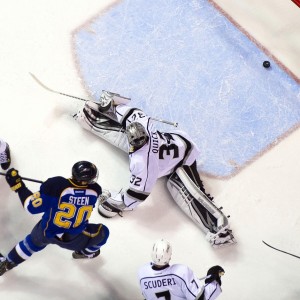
(137, 135)
(161, 252)
(84, 172)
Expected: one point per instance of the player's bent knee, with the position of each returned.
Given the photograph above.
(99, 234)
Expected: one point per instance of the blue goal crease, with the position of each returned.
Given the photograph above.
(183, 61)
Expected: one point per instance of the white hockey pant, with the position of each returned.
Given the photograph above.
(103, 125)
(195, 203)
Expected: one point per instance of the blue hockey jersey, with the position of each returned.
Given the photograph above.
(66, 207)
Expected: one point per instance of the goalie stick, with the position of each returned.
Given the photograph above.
(175, 124)
(25, 178)
(53, 91)
(280, 250)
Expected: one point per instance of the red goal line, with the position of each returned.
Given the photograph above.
(297, 2)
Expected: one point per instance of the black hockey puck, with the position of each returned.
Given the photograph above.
(266, 64)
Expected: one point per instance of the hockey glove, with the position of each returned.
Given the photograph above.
(14, 180)
(104, 196)
(106, 101)
(215, 273)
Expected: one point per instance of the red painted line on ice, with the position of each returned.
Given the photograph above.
(251, 38)
(297, 2)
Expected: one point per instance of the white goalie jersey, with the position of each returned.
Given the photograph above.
(161, 156)
(176, 282)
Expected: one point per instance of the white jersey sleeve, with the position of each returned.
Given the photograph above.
(127, 114)
(212, 290)
(140, 184)
(176, 282)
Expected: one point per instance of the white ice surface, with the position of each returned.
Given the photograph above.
(45, 141)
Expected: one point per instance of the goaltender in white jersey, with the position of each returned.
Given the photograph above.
(153, 154)
(160, 280)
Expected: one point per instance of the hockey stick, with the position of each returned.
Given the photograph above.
(25, 178)
(53, 91)
(281, 250)
(175, 124)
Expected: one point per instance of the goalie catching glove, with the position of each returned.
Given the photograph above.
(14, 180)
(109, 99)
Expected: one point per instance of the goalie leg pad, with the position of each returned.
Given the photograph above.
(199, 207)
(102, 125)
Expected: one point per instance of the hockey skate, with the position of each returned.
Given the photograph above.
(5, 156)
(5, 265)
(222, 238)
(80, 255)
(110, 206)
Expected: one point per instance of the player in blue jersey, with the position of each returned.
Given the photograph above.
(66, 205)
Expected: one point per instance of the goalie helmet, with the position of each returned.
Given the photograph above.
(84, 172)
(161, 252)
(137, 135)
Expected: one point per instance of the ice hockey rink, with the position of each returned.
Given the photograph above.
(249, 149)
